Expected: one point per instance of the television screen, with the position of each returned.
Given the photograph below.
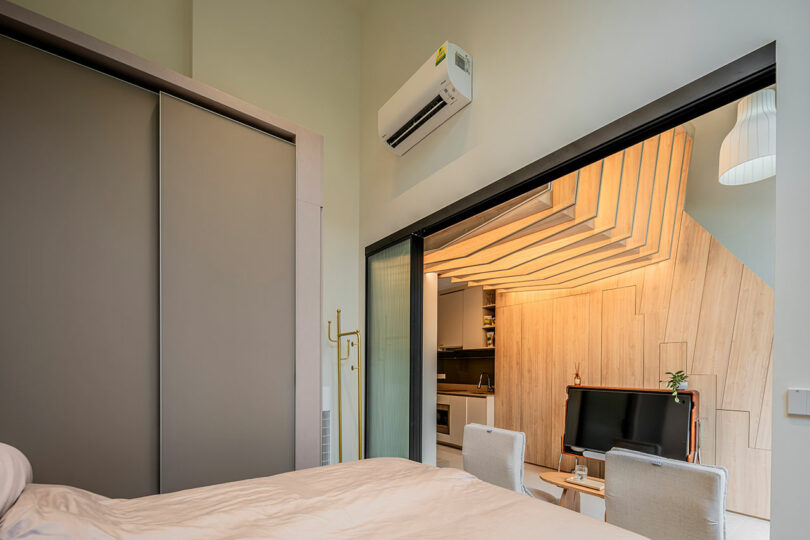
(598, 419)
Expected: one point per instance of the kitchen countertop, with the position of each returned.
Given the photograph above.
(470, 390)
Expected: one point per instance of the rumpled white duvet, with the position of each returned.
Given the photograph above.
(374, 498)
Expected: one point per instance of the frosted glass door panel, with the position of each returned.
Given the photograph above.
(388, 363)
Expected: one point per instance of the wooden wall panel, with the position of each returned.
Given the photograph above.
(536, 411)
(706, 385)
(570, 347)
(507, 367)
(655, 297)
(672, 358)
(749, 469)
(702, 310)
(595, 338)
(622, 339)
(687, 284)
(716, 326)
(750, 350)
(765, 416)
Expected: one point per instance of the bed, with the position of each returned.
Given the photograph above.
(374, 498)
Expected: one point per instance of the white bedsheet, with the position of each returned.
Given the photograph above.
(374, 498)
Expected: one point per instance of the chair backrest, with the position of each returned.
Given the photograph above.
(664, 498)
(494, 455)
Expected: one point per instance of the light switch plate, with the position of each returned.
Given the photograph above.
(798, 402)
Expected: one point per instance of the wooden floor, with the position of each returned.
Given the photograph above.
(738, 526)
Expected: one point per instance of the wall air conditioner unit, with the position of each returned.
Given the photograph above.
(437, 91)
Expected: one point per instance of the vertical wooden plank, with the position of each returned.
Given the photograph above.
(507, 367)
(721, 290)
(535, 397)
(765, 415)
(706, 385)
(622, 339)
(750, 350)
(594, 376)
(671, 357)
(749, 469)
(657, 287)
(687, 284)
(570, 349)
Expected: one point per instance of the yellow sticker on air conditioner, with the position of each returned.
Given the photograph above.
(440, 54)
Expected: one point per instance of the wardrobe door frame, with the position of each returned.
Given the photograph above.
(34, 29)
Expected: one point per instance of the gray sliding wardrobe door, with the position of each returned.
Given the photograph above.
(78, 273)
(227, 299)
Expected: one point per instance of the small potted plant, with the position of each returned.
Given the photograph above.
(676, 381)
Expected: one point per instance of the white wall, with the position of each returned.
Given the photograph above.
(158, 30)
(742, 218)
(547, 73)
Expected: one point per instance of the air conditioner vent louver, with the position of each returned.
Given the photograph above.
(426, 113)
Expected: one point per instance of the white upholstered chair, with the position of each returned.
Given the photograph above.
(496, 456)
(664, 498)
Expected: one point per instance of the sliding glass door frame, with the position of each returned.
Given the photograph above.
(415, 346)
(729, 83)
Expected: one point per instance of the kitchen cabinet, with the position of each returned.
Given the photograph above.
(477, 410)
(458, 419)
(473, 336)
(461, 319)
(464, 410)
(450, 320)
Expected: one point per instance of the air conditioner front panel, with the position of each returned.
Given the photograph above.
(440, 88)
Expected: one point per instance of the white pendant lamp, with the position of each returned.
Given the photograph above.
(748, 153)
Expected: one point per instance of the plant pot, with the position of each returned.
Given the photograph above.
(683, 386)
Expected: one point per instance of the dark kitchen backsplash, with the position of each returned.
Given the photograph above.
(465, 366)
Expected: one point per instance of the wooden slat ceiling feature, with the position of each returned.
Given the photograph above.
(525, 205)
(539, 269)
(626, 214)
(585, 210)
(653, 188)
(612, 226)
(673, 215)
(563, 195)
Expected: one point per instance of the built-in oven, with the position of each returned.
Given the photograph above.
(443, 418)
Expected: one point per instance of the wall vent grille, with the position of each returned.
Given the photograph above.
(326, 439)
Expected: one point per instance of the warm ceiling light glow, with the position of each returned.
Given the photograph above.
(748, 153)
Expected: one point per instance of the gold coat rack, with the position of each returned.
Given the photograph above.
(340, 360)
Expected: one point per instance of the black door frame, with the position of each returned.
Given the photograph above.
(729, 83)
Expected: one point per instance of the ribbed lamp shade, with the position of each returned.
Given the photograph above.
(748, 153)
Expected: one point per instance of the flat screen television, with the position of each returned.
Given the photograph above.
(650, 421)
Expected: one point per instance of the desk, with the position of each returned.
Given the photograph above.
(570, 494)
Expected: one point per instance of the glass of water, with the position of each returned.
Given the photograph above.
(581, 472)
